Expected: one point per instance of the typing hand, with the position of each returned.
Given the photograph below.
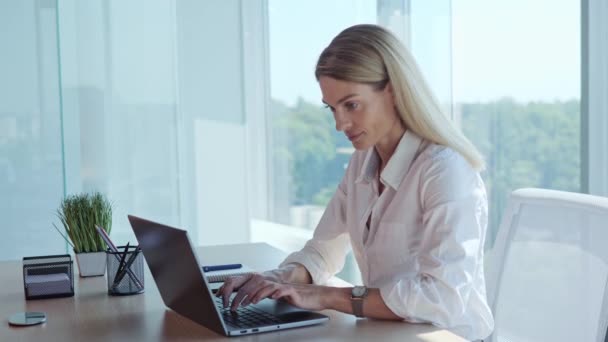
(255, 287)
(250, 288)
(305, 296)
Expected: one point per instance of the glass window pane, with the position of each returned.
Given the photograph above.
(31, 172)
(96, 97)
(154, 117)
(120, 107)
(516, 93)
(307, 155)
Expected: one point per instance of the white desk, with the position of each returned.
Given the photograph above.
(93, 315)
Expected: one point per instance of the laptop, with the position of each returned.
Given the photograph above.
(184, 288)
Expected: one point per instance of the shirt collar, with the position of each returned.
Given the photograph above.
(397, 166)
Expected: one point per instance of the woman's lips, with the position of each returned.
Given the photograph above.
(354, 137)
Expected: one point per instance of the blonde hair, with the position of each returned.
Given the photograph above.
(372, 55)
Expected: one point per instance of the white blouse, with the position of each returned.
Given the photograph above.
(424, 245)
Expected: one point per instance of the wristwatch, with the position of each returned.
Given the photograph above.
(357, 294)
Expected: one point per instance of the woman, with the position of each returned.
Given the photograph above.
(411, 205)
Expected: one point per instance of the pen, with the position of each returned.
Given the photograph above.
(121, 264)
(221, 267)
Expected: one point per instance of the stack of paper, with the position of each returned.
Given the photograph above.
(47, 284)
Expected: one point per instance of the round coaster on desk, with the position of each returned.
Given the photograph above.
(27, 318)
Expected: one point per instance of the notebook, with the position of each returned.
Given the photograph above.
(221, 276)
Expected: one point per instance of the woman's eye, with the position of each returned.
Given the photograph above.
(329, 107)
(350, 106)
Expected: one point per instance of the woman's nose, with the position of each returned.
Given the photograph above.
(342, 121)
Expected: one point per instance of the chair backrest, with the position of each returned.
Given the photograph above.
(548, 270)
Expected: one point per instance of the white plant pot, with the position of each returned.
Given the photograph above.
(91, 264)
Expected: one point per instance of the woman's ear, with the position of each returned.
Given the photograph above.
(389, 89)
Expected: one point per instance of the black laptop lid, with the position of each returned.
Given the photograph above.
(170, 257)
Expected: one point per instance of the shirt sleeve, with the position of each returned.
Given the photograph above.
(324, 254)
(454, 215)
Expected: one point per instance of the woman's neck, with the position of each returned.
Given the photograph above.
(387, 146)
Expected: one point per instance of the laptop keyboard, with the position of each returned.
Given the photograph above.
(246, 317)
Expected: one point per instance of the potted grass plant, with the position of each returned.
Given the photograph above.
(79, 214)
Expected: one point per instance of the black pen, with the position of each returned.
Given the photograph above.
(221, 267)
(121, 264)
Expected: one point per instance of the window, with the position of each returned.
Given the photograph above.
(161, 131)
(517, 93)
(31, 172)
(96, 97)
(307, 156)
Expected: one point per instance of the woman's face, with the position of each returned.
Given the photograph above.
(366, 116)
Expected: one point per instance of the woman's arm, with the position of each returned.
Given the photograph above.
(290, 273)
(315, 297)
(319, 259)
(292, 283)
(338, 298)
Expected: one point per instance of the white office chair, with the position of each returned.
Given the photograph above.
(547, 274)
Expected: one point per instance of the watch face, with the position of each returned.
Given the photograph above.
(359, 291)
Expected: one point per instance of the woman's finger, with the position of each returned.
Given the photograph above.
(276, 294)
(231, 284)
(263, 292)
(244, 291)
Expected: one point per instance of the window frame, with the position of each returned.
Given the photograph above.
(594, 103)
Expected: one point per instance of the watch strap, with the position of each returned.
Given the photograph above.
(357, 306)
(357, 300)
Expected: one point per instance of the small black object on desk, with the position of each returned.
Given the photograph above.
(49, 276)
(125, 271)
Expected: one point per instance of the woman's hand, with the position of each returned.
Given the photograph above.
(249, 288)
(305, 296)
(255, 287)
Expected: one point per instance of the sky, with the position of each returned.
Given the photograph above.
(526, 50)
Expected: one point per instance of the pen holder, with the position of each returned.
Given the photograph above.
(125, 271)
(48, 276)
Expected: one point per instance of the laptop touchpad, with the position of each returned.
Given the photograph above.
(276, 307)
